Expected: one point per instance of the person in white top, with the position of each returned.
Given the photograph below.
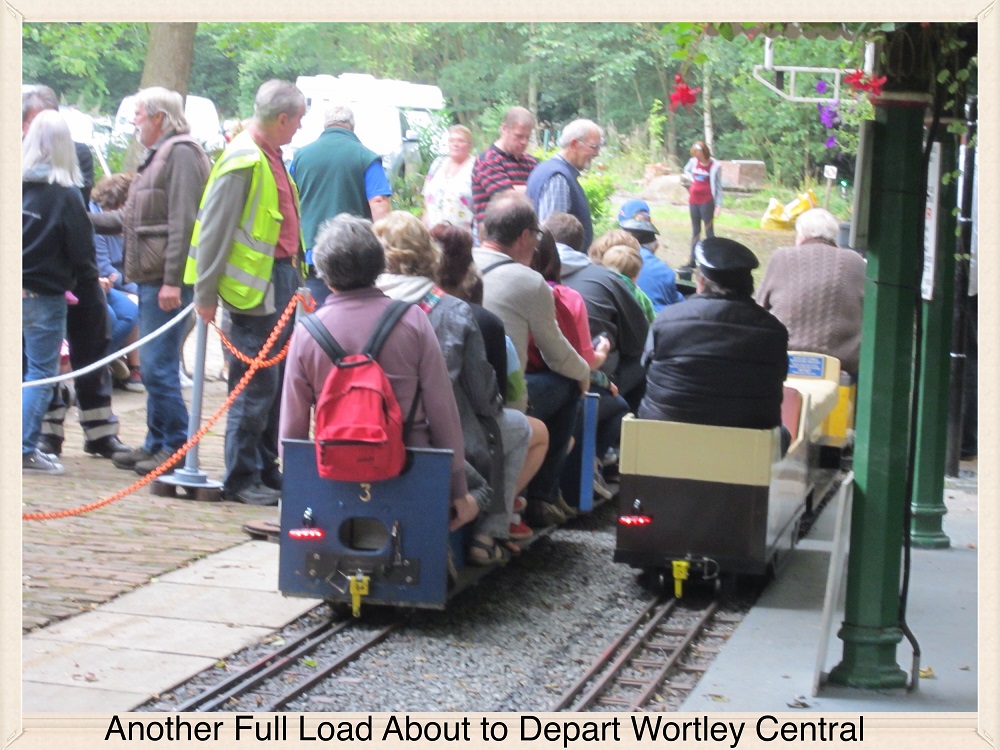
(448, 185)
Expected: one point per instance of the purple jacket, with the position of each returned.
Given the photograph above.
(411, 357)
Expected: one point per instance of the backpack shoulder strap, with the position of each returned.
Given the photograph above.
(383, 327)
(496, 265)
(323, 337)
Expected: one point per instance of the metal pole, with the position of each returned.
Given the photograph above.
(871, 630)
(927, 501)
(960, 303)
(191, 475)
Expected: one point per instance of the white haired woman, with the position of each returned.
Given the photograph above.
(57, 252)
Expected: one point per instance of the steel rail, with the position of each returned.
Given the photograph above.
(606, 657)
(251, 676)
(678, 652)
(660, 611)
(287, 697)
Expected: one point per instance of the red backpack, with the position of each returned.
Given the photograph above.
(359, 426)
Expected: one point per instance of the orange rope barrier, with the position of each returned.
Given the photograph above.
(254, 364)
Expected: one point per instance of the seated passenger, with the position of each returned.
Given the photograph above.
(109, 194)
(816, 289)
(718, 358)
(520, 297)
(348, 258)
(656, 278)
(627, 261)
(495, 438)
(612, 310)
(458, 276)
(571, 315)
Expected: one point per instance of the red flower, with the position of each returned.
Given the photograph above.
(863, 82)
(855, 78)
(875, 86)
(682, 94)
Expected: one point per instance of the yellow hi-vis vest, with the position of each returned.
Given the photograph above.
(247, 274)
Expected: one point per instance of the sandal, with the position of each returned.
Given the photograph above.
(484, 553)
(511, 547)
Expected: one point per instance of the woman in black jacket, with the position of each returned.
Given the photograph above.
(57, 251)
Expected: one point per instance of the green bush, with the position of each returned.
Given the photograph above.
(598, 187)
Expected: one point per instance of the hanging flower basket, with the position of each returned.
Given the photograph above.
(682, 94)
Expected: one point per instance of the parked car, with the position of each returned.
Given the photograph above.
(199, 111)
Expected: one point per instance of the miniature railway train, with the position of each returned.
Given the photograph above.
(694, 501)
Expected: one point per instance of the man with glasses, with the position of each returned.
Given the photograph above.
(522, 299)
(553, 186)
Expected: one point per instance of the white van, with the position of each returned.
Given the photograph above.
(199, 112)
(382, 109)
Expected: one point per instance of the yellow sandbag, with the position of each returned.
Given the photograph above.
(775, 217)
(803, 202)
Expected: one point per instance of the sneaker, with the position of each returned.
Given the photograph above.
(127, 460)
(600, 488)
(271, 478)
(521, 530)
(50, 445)
(132, 383)
(147, 465)
(119, 369)
(41, 463)
(542, 514)
(257, 494)
(567, 510)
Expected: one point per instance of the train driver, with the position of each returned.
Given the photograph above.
(717, 358)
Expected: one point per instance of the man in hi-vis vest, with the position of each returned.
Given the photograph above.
(246, 248)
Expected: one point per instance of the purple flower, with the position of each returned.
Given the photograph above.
(831, 142)
(829, 116)
(820, 86)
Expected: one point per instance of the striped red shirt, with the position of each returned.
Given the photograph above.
(496, 170)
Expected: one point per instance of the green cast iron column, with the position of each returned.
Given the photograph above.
(871, 626)
(927, 504)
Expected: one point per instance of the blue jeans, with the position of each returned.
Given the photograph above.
(252, 423)
(123, 314)
(166, 412)
(317, 287)
(43, 328)
(553, 399)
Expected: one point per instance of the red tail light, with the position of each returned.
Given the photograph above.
(635, 520)
(306, 534)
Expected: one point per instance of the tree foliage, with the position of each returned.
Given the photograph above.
(611, 72)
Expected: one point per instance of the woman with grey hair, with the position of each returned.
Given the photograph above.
(349, 258)
(57, 253)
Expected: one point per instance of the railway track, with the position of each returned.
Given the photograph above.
(655, 661)
(270, 683)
